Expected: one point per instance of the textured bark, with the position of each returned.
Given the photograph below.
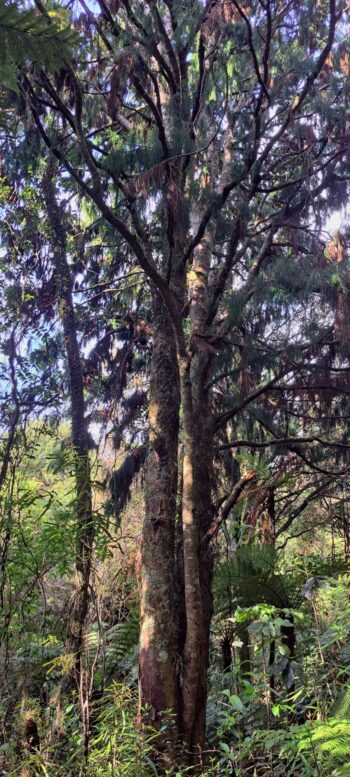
(203, 498)
(83, 503)
(198, 557)
(159, 668)
(194, 357)
(197, 505)
(180, 572)
(193, 594)
(346, 530)
(198, 512)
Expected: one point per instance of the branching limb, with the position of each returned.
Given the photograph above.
(227, 506)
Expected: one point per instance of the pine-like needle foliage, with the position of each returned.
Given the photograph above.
(28, 37)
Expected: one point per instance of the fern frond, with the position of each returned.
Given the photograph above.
(341, 705)
(120, 644)
(333, 737)
(252, 577)
(342, 771)
(122, 638)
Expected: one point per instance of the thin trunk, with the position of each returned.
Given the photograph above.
(193, 595)
(226, 651)
(204, 506)
(195, 366)
(198, 511)
(198, 563)
(197, 505)
(244, 655)
(269, 528)
(346, 529)
(83, 491)
(288, 639)
(272, 658)
(180, 573)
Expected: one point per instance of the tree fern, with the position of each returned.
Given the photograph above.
(252, 578)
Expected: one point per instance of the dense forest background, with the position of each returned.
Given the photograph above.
(174, 388)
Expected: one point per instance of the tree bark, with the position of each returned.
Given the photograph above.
(197, 504)
(204, 506)
(198, 564)
(193, 593)
(159, 666)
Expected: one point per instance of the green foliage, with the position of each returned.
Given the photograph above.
(28, 37)
(252, 576)
(161, 126)
(341, 705)
(119, 746)
(119, 655)
(264, 727)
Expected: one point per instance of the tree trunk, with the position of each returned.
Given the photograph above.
(197, 517)
(83, 491)
(244, 655)
(193, 593)
(204, 506)
(288, 639)
(197, 504)
(159, 667)
(272, 658)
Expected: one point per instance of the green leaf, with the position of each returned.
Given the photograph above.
(236, 703)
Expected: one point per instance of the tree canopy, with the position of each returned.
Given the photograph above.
(174, 530)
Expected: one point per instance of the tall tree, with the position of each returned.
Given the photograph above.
(207, 136)
(80, 438)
